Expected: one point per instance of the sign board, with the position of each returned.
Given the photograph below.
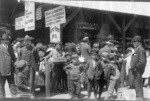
(39, 13)
(19, 23)
(55, 33)
(55, 16)
(29, 16)
(58, 59)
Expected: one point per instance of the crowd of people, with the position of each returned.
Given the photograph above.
(23, 64)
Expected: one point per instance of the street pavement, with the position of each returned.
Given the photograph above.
(126, 94)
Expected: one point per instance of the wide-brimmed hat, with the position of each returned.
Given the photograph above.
(137, 39)
(108, 43)
(20, 64)
(40, 46)
(86, 38)
(28, 38)
(110, 37)
(74, 56)
(5, 37)
(105, 55)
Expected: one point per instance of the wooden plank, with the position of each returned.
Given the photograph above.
(130, 23)
(71, 17)
(47, 80)
(113, 21)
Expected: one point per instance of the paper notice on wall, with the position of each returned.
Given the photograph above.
(19, 23)
(29, 16)
(55, 33)
(39, 13)
(55, 16)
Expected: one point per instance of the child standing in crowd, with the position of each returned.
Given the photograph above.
(22, 80)
(94, 71)
(146, 74)
(114, 77)
(75, 69)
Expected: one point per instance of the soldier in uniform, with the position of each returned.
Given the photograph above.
(7, 70)
(27, 53)
(85, 49)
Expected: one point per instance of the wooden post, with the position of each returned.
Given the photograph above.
(61, 33)
(47, 80)
(123, 34)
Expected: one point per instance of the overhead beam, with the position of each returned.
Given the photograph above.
(68, 19)
(130, 23)
(113, 21)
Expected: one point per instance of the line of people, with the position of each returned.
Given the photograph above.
(94, 67)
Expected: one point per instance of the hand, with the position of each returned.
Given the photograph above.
(111, 77)
(28, 88)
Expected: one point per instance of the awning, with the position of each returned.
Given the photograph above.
(138, 8)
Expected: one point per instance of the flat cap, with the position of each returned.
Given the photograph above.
(20, 64)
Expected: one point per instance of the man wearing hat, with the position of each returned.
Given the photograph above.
(85, 48)
(27, 53)
(21, 79)
(138, 62)
(7, 70)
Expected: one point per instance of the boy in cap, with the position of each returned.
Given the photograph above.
(94, 73)
(75, 70)
(21, 79)
(114, 75)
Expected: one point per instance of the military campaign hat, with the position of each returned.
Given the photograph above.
(28, 38)
(20, 64)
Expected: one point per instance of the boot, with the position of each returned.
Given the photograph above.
(78, 97)
(95, 95)
(72, 96)
(89, 95)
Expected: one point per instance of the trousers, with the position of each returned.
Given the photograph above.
(138, 83)
(11, 83)
(75, 87)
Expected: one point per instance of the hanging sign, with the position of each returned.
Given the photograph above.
(19, 23)
(55, 16)
(55, 33)
(29, 16)
(39, 13)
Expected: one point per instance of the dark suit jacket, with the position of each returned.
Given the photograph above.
(138, 60)
(7, 58)
(93, 73)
